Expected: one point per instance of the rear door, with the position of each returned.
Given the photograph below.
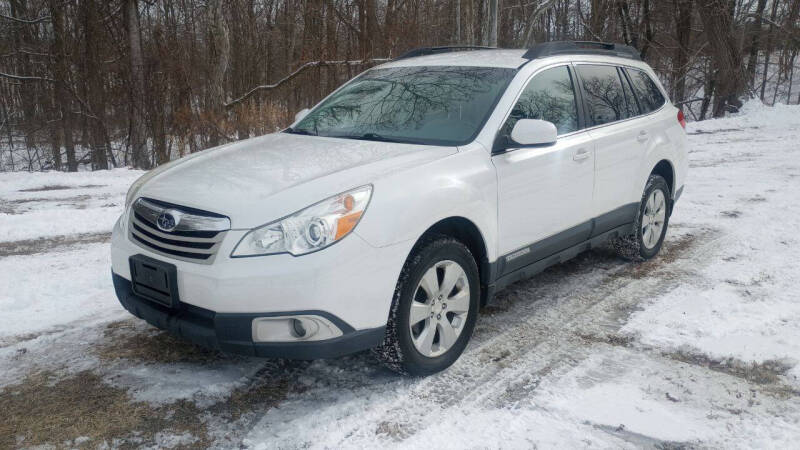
(619, 140)
(544, 191)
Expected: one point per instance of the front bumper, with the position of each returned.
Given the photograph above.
(232, 332)
(350, 284)
(351, 279)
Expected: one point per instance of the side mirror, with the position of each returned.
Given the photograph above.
(300, 114)
(534, 132)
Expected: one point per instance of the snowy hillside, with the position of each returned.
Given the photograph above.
(700, 346)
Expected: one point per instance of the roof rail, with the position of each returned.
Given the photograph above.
(582, 48)
(422, 51)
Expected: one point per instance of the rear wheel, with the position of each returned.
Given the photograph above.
(651, 222)
(434, 309)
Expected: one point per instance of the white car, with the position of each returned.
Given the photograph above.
(388, 214)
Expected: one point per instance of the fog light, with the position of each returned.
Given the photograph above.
(298, 328)
(294, 328)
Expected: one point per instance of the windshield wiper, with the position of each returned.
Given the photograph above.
(374, 137)
(299, 131)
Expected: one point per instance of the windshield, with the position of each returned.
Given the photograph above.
(438, 105)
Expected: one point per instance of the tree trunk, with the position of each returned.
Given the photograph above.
(598, 17)
(55, 141)
(492, 23)
(768, 49)
(648, 29)
(220, 38)
(726, 54)
(628, 34)
(683, 31)
(755, 36)
(138, 139)
(61, 76)
(367, 28)
(457, 13)
(94, 89)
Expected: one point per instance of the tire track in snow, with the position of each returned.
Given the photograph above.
(512, 349)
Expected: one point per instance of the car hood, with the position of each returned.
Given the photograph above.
(259, 180)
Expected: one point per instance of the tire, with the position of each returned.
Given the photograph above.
(650, 226)
(405, 348)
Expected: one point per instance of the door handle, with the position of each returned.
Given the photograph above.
(643, 136)
(580, 155)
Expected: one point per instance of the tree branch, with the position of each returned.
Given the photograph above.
(25, 21)
(25, 78)
(297, 72)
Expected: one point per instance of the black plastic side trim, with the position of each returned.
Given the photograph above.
(534, 258)
(623, 215)
(544, 248)
(232, 333)
(564, 255)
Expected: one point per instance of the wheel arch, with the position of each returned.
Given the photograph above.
(468, 233)
(665, 169)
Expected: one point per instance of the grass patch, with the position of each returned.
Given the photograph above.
(84, 411)
(617, 340)
(124, 341)
(43, 245)
(60, 187)
(43, 410)
(764, 373)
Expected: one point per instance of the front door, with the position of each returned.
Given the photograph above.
(545, 192)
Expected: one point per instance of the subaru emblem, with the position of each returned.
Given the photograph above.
(167, 221)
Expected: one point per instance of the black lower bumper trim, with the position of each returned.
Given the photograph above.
(232, 332)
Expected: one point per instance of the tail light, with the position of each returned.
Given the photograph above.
(681, 119)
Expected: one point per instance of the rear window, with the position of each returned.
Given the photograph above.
(648, 93)
(604, 97)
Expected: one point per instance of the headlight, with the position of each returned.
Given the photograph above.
(310, 229)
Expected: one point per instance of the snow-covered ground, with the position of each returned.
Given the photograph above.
(698, 347)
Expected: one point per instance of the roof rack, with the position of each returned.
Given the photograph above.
(581, 48)
(422, 51)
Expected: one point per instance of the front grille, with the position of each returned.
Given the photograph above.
(196, 235)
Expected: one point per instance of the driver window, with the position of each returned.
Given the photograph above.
(548, 96)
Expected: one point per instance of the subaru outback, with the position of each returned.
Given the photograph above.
(386, 216)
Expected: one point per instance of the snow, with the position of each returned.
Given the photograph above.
(699, 347)
(57, 204)
(52, 290)
(745, 304)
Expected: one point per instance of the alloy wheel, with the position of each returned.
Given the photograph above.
(439, 308)
(655, 213)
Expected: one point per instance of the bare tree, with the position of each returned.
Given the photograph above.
(137, 109)
(718, 26)
(84, 83)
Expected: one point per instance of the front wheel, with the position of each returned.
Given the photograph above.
(434, 308)
(651, 222)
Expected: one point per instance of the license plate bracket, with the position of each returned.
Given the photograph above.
(154, 280)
